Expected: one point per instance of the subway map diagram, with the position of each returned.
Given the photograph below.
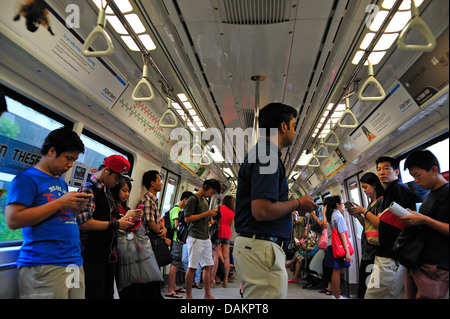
(140, 117)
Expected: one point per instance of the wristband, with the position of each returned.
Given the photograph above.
(299, 203)
(365, 214)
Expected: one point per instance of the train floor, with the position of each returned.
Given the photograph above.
(295, 291)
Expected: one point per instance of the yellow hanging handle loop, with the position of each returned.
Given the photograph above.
(417, 23)
(312, 159)
(350, 113)
(98, 31)
(322, 147)
(371, 80)
(330, 134)
(166, 114)
(143, 82)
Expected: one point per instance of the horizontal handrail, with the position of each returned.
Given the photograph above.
(99, 30)
(8, 266)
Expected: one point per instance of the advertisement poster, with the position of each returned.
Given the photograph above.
(388, 115)
(59, 47)
(429, 74)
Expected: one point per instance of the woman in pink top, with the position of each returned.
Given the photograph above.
(221, 248)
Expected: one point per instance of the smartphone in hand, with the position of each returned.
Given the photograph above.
(349, 205)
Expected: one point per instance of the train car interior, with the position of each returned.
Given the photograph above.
(177, 86)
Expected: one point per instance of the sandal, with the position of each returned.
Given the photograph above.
(326, 292)
(173, 295)
(181, 290)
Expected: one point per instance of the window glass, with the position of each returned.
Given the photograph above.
(94, 156)
(22, 133)
(440, 150)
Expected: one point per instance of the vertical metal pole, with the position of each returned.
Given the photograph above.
(257, 79)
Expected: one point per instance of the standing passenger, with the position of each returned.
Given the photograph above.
(388, 276)
(335, 208)
(151, 220)
(429, 279)
(177, 247)
(263, 211)
(99, 221)
(374, 191)
(198, 243)
(223, 238)
(39, 202)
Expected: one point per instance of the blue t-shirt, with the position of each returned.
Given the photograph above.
(262, 176)
(54, 241)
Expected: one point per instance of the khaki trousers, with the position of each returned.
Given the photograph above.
(260, 265)
(51, 282)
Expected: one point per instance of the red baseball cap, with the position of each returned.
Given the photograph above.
(118, 164)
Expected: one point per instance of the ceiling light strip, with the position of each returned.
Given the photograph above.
(151, 62)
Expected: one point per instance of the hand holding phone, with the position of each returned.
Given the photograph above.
(349, 205)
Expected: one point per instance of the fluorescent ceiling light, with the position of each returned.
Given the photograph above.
(99, 4)
(192, 112)
(304, 159)
(147, 41)
(385, 41)
(406, 4)
(117, 25)
(123, 5)
(374, 57)
(176, 106)
(135, 23)
(378, 21)
(130, 43)
(187, 105)
(182, 97)
(399, 21)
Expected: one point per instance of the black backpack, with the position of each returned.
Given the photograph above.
(167, 224)
(183, 228)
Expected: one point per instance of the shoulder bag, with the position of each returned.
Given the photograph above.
(409, 244)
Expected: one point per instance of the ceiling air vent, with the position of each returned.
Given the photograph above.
(254, 12)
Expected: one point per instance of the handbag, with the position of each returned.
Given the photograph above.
(323, 243)
(336, 244)
(162, 252)
(408, 246)
(371, 231)
(137, 262)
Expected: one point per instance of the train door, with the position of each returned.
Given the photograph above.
(354, 194)
(169, 190)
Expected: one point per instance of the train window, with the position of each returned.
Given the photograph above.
(22, 131)
(96, 150)
(440, 150)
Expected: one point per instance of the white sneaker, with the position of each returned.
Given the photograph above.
(340, 297)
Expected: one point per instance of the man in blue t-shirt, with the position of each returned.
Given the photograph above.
(263, 211)
(50, 263)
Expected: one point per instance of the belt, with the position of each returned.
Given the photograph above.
(280, 242)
